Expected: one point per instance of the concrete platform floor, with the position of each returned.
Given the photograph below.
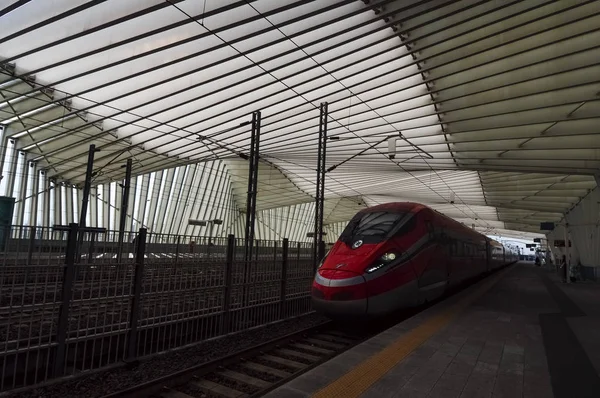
(517, 333)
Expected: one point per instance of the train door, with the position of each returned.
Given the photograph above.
(433, 279)
(488, 255)
(446, 260)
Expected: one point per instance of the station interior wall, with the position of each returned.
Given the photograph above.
(584, 230)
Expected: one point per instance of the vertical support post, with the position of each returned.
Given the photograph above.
(124, 205)
(86, 196)
(284, 266)
(10, 183)
(210, 232)
(87, 186)
(67, 290)
(251, 201)
(568, 262)
(252, 184)
(3, 146)
(31, 243)
(209, 243)
(136, 296)
(91, 248)
(177, 248)
(320, 196)
(227, 284)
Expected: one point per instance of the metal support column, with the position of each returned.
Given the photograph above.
(10, 182)
(85, 198)
(124, 205)
(251, 207)
(283, 288)
(63, 314)
(320, 194)
(87, 186)
(252, 185)
(227, 288)
(567, 254)
(32, 231)
(132, 340)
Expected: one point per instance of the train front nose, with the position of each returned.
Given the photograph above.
(339, 294)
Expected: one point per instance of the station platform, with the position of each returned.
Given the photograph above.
(518, 333)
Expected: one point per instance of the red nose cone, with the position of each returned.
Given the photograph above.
(353, 250)
(339, 293)
(327, 273)
(340, 285)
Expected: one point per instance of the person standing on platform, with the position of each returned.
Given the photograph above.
(564, 268)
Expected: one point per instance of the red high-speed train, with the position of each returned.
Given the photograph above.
(399, 255)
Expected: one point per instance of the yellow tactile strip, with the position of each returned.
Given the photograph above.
(364, 375)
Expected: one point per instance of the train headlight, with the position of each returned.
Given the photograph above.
(382, 262)
(387, 257)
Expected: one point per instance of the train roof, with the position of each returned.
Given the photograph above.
(416, 207)
(395, 206)
(494, 242)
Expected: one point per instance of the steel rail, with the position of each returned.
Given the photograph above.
(183, 376)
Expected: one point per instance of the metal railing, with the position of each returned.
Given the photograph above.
(67, 308)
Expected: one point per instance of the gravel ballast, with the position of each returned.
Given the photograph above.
(101, 383)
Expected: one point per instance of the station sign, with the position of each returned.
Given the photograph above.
(538, 240)
(561, 243)
(547, 226)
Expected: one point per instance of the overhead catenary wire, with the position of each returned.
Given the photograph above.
(95, 103)
(420, 61)
(283, 154)
(370, 108)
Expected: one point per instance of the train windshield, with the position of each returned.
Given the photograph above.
(370, 227)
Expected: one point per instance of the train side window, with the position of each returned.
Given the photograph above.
(407, 227)
(430, 229)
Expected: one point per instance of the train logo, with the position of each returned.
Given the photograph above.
(400, 255)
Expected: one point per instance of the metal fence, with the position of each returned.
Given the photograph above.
(73, 301)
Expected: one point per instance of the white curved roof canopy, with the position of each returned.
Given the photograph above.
(495, 105)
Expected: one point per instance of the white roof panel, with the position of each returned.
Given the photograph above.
(497, 102)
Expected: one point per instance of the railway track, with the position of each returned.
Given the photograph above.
(255, 371)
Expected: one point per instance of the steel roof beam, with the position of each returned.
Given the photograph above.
(87, 31)
(48, 21)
